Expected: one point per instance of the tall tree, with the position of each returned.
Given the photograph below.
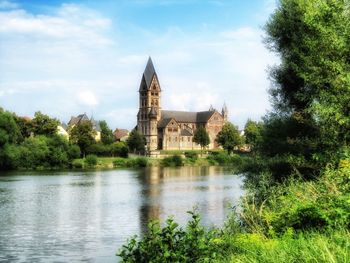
(229, 137)
(136, 142)
(83, 135)
(312, 84)
(107, 136)
(253, 133)
(201, 137)
(44, 125)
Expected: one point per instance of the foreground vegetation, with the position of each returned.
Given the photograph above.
(297, 206)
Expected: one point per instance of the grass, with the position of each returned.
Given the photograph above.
(332, 246)
(107, 162)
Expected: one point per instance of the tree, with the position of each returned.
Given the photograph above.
(44, 125)
(9, 137)
(107, 136)
(136, 142)
(9, 130)
(201, 137)
(311, 85)
(253, 133)
(229, 137)
(83, 135)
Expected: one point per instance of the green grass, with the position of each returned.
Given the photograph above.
(332, 246)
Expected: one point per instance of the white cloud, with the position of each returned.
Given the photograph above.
(87, 98)
(69, 62)
(71, 23)
(5, 4)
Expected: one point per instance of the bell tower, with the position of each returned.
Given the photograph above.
(149, 105)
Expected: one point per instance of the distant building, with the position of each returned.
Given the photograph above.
(62, 130)
(170, 130)
(121, 135)
(83, 117)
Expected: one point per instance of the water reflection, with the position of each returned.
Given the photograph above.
(75, 216)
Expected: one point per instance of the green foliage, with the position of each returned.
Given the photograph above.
(9, 131)
(25, 127)
(332, 246)
(107, 136)
(229, 137)
(311, 85)
(172, 161)
(171, 243)
(44, 125)
(119, 162)
(253, 133)
(136, 142)
(91, 160)
(137, 162)
(201, 137)
(73, 151)
(119, 149)
(191, 156)
(82, 135)
(78, 164)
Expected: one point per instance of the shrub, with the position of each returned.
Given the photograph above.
(119, 149)
(77, 164)
(175, 160)
(172, 243)
(191, 155)
(91, 160)
(137, 162)
(119, 162)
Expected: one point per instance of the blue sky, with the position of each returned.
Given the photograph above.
(68, 57)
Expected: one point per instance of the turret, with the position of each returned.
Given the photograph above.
(224, 112)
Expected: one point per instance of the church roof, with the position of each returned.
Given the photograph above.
(186, 133)
(149, 72)
(186, 116)
(164, 122)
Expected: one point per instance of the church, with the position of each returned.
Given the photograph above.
(172, 130)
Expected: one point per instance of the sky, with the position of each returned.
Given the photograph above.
(64, 58)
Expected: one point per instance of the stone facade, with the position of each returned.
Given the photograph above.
(172, 130)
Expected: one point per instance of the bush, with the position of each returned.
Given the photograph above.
(119, 162)
(137, 162)
(119, 149)
(191, 155)
(77, 164)
(175, 160)
(172, 243)
(91, 160)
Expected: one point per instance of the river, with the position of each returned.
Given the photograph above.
(76, 216)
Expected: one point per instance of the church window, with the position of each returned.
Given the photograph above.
(175, 139)
(188, 138)
(175, 130)
(169, 139)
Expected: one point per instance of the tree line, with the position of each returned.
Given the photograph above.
(34, 143)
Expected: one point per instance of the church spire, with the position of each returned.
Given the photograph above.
(149, 72)
(224, 111)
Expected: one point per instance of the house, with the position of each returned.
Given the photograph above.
(121, 135)
(83, 117)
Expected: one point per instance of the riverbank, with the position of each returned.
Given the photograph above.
(297, 221)
(188, 159)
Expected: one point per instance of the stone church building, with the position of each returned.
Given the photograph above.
(172, 130)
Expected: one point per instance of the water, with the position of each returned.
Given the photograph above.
(87, 216)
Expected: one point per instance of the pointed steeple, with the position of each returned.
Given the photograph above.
(149, 72)
(224, 111)
(211, 108)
